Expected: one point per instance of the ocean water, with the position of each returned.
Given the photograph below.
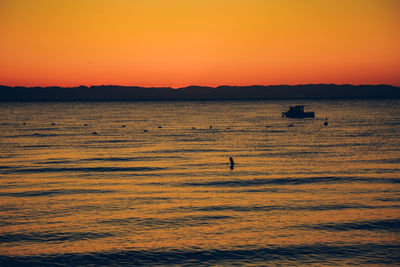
(149, 183)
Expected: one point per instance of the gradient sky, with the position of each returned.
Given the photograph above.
(203, 42)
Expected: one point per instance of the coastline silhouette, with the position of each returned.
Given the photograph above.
(255, 92)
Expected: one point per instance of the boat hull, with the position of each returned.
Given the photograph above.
(298, 115)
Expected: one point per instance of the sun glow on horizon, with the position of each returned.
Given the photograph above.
(211, 42)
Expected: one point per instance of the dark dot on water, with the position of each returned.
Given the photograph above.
(94, 133)
(53, 123)
(24, 123)
(290, 125)
(85, 124)
(123, 126)
(145, 131)
(159, 127)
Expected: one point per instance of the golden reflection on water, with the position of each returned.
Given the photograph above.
(171, 188)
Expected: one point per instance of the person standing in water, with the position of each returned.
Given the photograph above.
(232, 163)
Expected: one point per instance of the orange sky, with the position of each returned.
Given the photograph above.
(202, 42)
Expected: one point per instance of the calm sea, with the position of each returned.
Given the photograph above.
(150, 183)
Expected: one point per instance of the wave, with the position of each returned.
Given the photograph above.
(391, 123)
(356, 254)
(163, 223)
(55, 161)
(51, 237)
(392, 225)
(106, 159)
(37, 135)
(294, 153)
(275, 131)
(79, 169)
(54, 192)
(141, 158)
(187, 150)
(113, 141)
(39, 146)
(39, 129)
(388, 161)
(284, 208)
(288, 181)
(389, 199)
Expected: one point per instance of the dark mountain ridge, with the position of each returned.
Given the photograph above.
(255, 92)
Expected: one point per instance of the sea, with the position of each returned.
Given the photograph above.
(151, 183)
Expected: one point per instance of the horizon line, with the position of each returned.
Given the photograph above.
(195, 85)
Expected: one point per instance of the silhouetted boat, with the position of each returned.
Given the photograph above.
(297, 112)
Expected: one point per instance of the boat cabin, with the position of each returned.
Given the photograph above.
(297, 112)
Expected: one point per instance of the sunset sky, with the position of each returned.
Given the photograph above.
(199, 42)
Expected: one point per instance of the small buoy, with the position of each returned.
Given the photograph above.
(123, 126)
(159, 127)
(326, 122)
(94, 133)
(85, 124)
(145, 131)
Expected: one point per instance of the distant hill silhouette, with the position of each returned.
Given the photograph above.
(255, 92)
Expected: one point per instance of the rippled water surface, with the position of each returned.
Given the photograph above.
(149, 183)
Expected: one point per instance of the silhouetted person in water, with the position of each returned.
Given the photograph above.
(232, 163)
(326, 122)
